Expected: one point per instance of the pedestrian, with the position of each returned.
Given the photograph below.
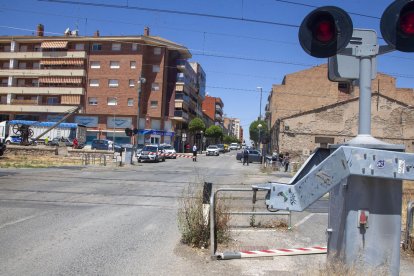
(75, 143)
(194, 153)
(286, 161)
(47, 140)
(246, 156)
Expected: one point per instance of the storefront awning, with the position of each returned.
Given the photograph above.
(67, 61)
(72, 80)
(54, 44)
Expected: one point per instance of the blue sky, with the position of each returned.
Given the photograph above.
(262, 53)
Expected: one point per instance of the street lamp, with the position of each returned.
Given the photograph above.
(201, 132)
(114, 124)
(141, 81)
(259, 126)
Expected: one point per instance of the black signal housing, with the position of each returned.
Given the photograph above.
(397, 25)
(325, 32)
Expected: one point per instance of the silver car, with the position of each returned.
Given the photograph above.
(213, 150)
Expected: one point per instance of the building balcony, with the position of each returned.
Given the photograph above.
(218, 117)
(43, 90)
(181, 105)
(40, 55)
(182, 97)
(219, 111)
(180, 115)
(26, 106)
(43, 73)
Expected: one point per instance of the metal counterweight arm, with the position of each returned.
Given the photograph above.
(345, 161)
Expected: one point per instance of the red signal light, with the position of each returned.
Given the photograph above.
(407, 23)
(324, 31)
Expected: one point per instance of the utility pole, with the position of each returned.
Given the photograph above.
(260, 108)
(141, 81)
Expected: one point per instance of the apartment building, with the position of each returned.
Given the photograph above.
(213, 108)
(189, 95)
(112, 81)
(233, 127)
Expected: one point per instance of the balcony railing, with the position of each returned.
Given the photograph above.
(181, 113)
(182, 96)
(24, 102)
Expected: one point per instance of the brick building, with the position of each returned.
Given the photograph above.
(43, 77)
(213, 108)
(307, 111)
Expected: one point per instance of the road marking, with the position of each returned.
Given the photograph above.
(306, 218)
(15, 222)
(303, 220)
(253, 230)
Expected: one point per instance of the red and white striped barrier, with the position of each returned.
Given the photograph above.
(172, 155)
(273, 252)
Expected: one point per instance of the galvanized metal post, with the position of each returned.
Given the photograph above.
(365, 212)
(365, 96)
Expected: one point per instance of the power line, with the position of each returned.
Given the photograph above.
(172, 12)
(312, 6)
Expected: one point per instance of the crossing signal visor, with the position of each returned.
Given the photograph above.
(397, 25)
(325, 32)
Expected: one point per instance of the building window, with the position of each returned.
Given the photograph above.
(3, 99)
(155, 68)
(155, 86)
(79, 46)
(113, 83)
(36, 65)
(35, 83)
(157, 51)
(114, 64)
(131, 83)
(95, 64)
(96, 47)
(94, 83)
(52, 100)
(21, 82)
(116, 46)
(23, 48)
(133, 64)
(154, 104)
(93, 101)
(130, 102)
(112, 101)
(6, 65)
(134, 46)
(22, 65)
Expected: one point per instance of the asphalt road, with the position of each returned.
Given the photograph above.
(122, 221)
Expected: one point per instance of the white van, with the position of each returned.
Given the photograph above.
(234, 146)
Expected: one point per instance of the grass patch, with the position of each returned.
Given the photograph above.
(193, 222)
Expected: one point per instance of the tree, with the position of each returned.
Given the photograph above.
(230, 139)
(196, 125)
(254, 130)
(214, 132)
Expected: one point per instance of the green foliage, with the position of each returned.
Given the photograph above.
(196, 125)
(230, 139)
(214, 132)
(254, 130)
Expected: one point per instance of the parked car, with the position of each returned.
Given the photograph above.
(221, 148)
(152, 153)
(106, 145)
(55, 141)
(2, 148)
(254, 156)
(234, 146)
(13, 139)
(170, 152)
(226, 148)
(213, 150)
